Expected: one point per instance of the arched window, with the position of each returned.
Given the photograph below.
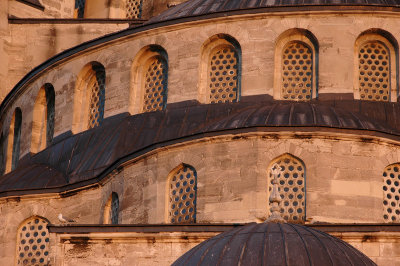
(33, 242)
(375, 77)
(43, 118)
(2, 152)
(134, 9)
(14, 139)
(89, 97)
(182, 195)
(149, 89)
(111, 210)
(391, 193)
(296, 72)
(79, 8)
(221, 57)
(291, 187)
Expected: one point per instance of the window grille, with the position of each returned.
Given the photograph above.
(391, 193)
(134, 9)
(155, 85)
(114, 210)
(97, 97)
(33, 243)
(80, 8)
(374, 73)
(291, 186)
(50, 104)
(223, 75)
(183, 195)
(297, 72)
(17, 138)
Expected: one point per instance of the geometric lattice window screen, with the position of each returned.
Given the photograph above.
(297, 72)
(96, 84)
(391, 193)
(155, 85)
(33, 243)
(291, 187)
(134, 9)
(223, 75)
(79, 8)
(114, 210)
(182, 195)
(374, 73)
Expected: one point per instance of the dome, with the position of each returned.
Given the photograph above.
(194, 8)
(273, 244)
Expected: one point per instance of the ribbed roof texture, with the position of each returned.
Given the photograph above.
(201, 7)
(273, 244)
(82, 158)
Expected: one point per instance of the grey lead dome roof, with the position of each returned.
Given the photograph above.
(273, 244)
(193, 8)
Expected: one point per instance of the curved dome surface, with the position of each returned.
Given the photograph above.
(85, 158)
(273, 244)
(193, 8)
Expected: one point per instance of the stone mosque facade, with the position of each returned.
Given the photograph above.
(133, 130)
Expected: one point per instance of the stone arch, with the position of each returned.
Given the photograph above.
(111, 209)
(291, 187)
(220, 70)
(14, 140)
(376, 66)
(33, 242)
(43, 118)
(89, 97)
(149, 80)
(296, 66)
(181, 195)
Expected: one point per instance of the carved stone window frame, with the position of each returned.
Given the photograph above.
(391, 45)
(290, 36)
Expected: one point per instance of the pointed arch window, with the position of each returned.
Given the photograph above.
(89, 98)
(182, 195)
(391, 193)
(43, 118)
(134, 9)
(33, 242)
(291, 187)
(14, 139)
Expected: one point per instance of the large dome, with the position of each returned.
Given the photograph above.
(273, 244)
(193, 8)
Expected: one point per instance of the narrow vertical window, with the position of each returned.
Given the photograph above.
(14, 138)
(223, 75)
(182, 195)
(155, 84)
(374, 71)
(391, 193)
(114, 210)
(297, 72)
(96, 88)
(50, 113)
(2, 157)
(33, 242)
(43, 119)
(291, 186)
(134, 9)
(79, 8)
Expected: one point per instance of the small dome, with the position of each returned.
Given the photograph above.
(194, 8)
(273, 244)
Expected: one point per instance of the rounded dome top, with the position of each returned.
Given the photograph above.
(193, 8)
(273, 244)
